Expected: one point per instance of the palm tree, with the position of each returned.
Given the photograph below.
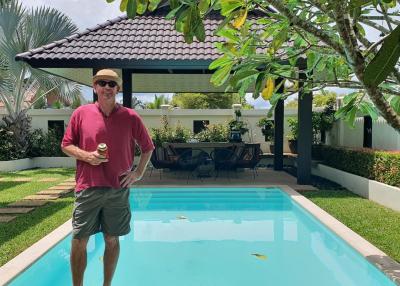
(158, 101)
(20, 31)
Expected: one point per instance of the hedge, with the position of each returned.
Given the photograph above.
(381, 166)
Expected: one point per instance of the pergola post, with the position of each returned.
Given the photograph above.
(278, 130)
(127, 88)
(304, 140)
(95, 70)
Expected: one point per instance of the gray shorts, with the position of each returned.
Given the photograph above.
(101, 209)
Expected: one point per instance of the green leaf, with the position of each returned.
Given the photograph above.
(153, 4)
(227, 6)
(222, 61)
(384, 61)
(174, 4)
(229, 34)
(200, 32)
(141, 6)
(173, 12)
(245, 84)
(203, 6)
(358, 3)
(131, 9)
(123, 5)
(367, 108)
(221, 75)
(243, 74)
(351, 116)
(110, 1)
(258, 86)
(395, 103)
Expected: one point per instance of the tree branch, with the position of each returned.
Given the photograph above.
(306, 26)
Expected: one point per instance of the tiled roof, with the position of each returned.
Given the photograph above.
(149, 37)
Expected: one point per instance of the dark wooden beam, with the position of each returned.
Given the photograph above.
(278, 133)
(95, 70)
(127, 88)
(304, 140)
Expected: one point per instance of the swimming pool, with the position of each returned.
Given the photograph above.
(216, 237)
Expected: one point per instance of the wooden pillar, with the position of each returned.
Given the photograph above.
(304, 140)
(278, 133)
(127, 88)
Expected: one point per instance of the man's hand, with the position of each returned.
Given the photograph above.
(129, 178)
(94, 158)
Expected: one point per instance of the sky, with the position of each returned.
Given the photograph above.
(88, 13)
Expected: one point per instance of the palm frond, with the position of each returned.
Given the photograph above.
(47, 25)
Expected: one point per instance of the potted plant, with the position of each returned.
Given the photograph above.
(293, 134)
(237, 128)
(268, 130)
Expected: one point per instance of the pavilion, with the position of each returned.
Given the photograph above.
(152, 57)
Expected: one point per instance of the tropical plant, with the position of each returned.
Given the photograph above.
(267, 128)
(157, 102)
(330, 34)
(214, 133)
(293, 129)
(22, 30)
(208, 100)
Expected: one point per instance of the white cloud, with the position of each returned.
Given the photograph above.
(85, 14)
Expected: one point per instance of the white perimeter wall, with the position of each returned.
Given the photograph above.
(384, 136)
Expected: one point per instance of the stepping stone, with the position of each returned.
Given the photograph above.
(22, 179)
(48, 180)
(15, 210)
(71, 184)
(58, 187)
(28, 204)
(41, 197)
(53, 192)
(70, 180)
(6, 218)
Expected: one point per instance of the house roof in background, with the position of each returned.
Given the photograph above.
(146, 38)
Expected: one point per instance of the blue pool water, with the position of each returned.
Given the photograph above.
(216, 237)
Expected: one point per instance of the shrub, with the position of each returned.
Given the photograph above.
(44, 144)
(8, 147)
(214, 133)
(372, 164)
(167, 134)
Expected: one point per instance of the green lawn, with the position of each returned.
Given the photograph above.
(26, 229)
(377, 224)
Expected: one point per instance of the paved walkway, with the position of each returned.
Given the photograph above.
(263, 176)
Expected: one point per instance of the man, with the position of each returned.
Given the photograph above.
(102, 183)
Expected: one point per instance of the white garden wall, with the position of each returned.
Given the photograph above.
(384, 136)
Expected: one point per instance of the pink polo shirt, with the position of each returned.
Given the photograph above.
(88, 127)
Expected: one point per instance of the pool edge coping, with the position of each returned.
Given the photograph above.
(22, 261)
(382, 261)
(370, 252)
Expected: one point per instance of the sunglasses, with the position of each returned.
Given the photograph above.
(103, 83)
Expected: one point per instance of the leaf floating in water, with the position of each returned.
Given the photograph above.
(101, 258)
(260, 256)
(181, 217)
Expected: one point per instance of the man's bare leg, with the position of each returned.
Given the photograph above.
(111, 254)
(78, 260)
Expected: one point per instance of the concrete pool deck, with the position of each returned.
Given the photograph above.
(386, 264)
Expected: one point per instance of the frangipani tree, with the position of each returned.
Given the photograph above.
(329, 34)
(21, 85)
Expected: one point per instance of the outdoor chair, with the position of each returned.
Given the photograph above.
(163, 158)
(192, 159)
(224, 159)
(250, 157)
